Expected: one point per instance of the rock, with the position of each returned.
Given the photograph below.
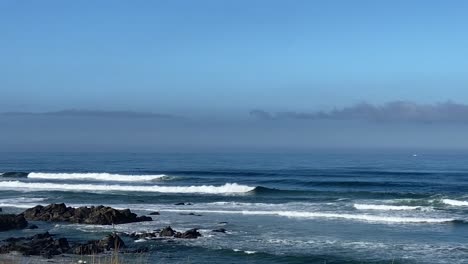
(190, 234)
(183, 204)
(41, 244)
(99, 215)
(32, 226)
(167, 232)
(219, 230)
(110, 242)
(154, 213)
(11, 221)
(194, 214)
(1, 210)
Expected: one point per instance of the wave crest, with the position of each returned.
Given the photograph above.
(209, 189)
(385, 207)
(94, 176)
(455, 202)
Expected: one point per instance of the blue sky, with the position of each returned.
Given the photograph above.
(233, 75)
(230, 56)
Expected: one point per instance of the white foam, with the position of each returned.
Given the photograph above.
(94, 176)
(385, 207)
(455, 202)
(250, 252)
(36, 186)
(313, 215)
(20, 202)
(140, 240)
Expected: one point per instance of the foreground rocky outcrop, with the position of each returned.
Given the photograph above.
(38, 245)
(95, 215)
(11, 221)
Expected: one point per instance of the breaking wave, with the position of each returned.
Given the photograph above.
(209, 189)
(385, 207)
(455, 202)
(95, 176)
(312, 215)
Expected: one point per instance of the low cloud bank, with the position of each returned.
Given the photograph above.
(398, 111)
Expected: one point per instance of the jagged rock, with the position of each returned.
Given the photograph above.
(183, 204)
(154, 213)
(219, 230)
(11, 221)
(41, 244)
(112, 241)
(96, 215)
(192, 233)
(167, 232)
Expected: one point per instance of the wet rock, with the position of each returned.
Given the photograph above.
(154, 213)
(11, 221)
(110, 242)
(38, 245)
(190, 234)
(96, 215)
(193, 214)
(219, 230)
(167, 232)
(183, 204)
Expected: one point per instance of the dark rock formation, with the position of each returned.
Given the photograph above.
(219, 230)
(99, 215)
(154, 213)
(193, 214)
(110, 242)
(11, 221)
(38, 245)
(167, 232)
(192, 233)
(183, 204)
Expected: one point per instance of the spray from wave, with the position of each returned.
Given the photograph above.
(95, 177)
(208, 189)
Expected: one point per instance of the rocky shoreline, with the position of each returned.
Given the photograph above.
(48, 246)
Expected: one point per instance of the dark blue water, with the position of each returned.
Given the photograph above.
(324, 207)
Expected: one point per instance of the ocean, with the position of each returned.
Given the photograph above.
(376, 206)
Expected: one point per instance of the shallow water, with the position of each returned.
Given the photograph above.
(333, 207)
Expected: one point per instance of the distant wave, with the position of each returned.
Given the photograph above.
(20, 202)
(209, 189)
(312, 215)
(455, 202)
(14, 174)
(95, 176)
(385, 207)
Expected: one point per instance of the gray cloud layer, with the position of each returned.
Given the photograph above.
(398, 111)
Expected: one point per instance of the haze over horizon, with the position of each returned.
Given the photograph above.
(178, 75)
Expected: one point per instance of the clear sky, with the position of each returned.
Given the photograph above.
(230, 56)
(233, 74)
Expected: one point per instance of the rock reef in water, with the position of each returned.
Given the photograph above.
(95, 215)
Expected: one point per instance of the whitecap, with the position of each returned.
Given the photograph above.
(209, 189)
(95, 176)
